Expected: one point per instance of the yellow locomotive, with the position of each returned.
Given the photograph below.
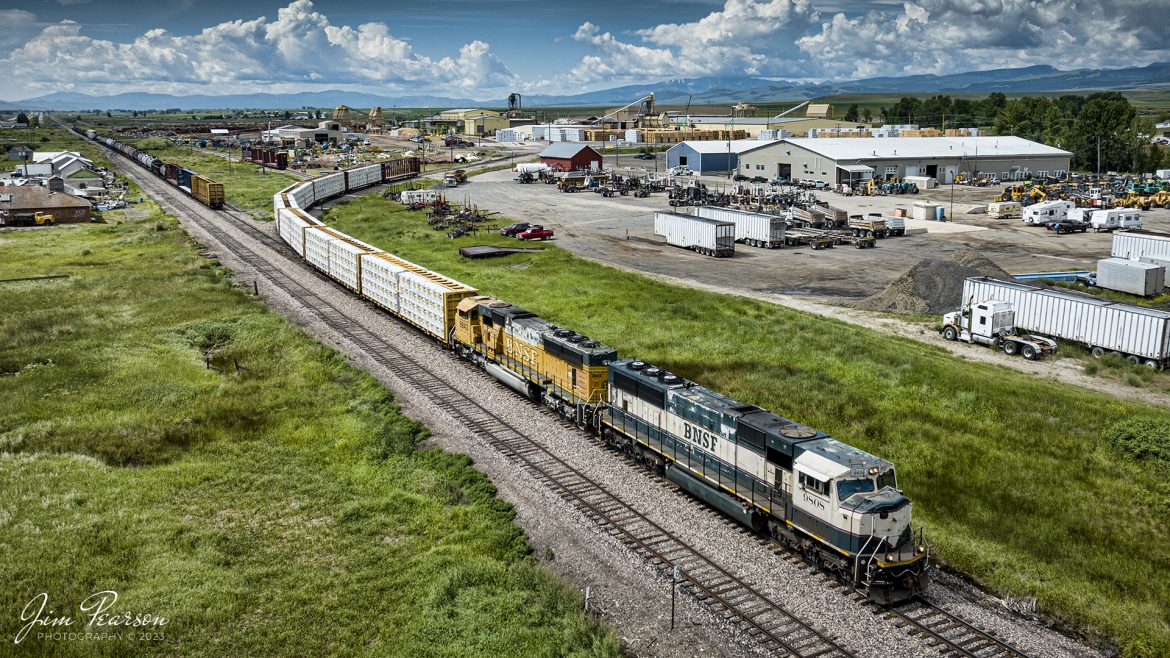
(549, 364)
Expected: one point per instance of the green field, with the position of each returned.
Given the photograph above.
(284, 507)
(1033, 488)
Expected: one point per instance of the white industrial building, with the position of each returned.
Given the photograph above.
(851, 159)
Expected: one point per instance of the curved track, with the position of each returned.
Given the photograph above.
(767, 621)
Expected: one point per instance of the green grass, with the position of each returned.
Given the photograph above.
(282, 509)
(1011, 476)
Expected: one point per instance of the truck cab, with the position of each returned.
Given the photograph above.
(994, 323)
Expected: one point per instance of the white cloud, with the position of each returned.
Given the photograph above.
(950, 36)
(299, 45)
(795, 39)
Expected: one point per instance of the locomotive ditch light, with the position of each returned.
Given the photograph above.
(889, 557)
(921, 548)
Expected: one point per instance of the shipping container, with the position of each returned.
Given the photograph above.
(752, 228)
(1140, 244)
(207, 191)
(1134, 277)
(709, 237)
(1140, 334)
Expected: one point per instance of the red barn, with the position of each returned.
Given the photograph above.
(566, 156)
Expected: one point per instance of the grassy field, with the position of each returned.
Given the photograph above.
(282, 508)
(1024, 484)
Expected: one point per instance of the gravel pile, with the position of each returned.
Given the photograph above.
(934, 285)
(625, 589)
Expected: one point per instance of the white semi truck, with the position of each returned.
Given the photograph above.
(994, 323)
(1135, 333)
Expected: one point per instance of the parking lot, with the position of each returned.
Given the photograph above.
(619, 230)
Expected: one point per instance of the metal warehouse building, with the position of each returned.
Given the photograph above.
(846, 159)
(710, 156)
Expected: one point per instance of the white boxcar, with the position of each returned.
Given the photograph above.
(345, 260)
(752, 228)
(364, 176)
(328, 186)
(1134, 277)
(317, 241)
(1140, 334)
(1140, 244)
(710, 237)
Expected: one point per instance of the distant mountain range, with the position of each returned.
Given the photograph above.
(699, 91)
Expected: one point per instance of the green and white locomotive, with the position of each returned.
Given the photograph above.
(837, 505)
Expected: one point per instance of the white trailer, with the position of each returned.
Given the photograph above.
(1131, 276)
(1003, 210)
(1039, 214)
(409, 197)
(1141, 245)
(710, 237)
(1137, 333)
(751, 228)
(1115, 218)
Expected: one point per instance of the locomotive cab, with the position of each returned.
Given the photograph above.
(849, 499)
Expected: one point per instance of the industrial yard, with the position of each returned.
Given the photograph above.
(758, 329)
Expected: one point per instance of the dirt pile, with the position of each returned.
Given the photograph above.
(934, 285)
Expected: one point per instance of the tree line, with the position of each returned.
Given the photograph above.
(1101, 130)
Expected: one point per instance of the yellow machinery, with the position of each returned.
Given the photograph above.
(43, 219)
(1013, 192)
(549, 364)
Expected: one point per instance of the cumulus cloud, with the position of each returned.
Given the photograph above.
(746, 37)
(793, 38)
(299, 45)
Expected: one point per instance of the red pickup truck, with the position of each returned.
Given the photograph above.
(535, 233)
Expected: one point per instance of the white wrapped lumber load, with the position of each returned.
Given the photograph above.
(379, 279)
(1140, 334)
(317, 247)
(292, 227)
(752, 228)
(345, 260)
(366, 176)
(327, 187)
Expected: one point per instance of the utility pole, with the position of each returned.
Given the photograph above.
(1098, 156)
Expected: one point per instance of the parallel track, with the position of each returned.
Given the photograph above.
(948, 633)
(772, 626)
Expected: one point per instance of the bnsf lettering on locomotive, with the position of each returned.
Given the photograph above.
(699, 437)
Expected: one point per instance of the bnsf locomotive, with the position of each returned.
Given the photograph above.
(839, 506)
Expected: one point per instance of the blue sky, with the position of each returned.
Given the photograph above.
(484, 49)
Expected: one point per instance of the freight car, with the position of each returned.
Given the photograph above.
(829, 501)
(207, 191)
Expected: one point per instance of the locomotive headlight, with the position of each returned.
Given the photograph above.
(921, 548)
(889, 557)
(873, 470)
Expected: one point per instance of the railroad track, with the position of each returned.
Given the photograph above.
(947, 632)
(769, 623)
